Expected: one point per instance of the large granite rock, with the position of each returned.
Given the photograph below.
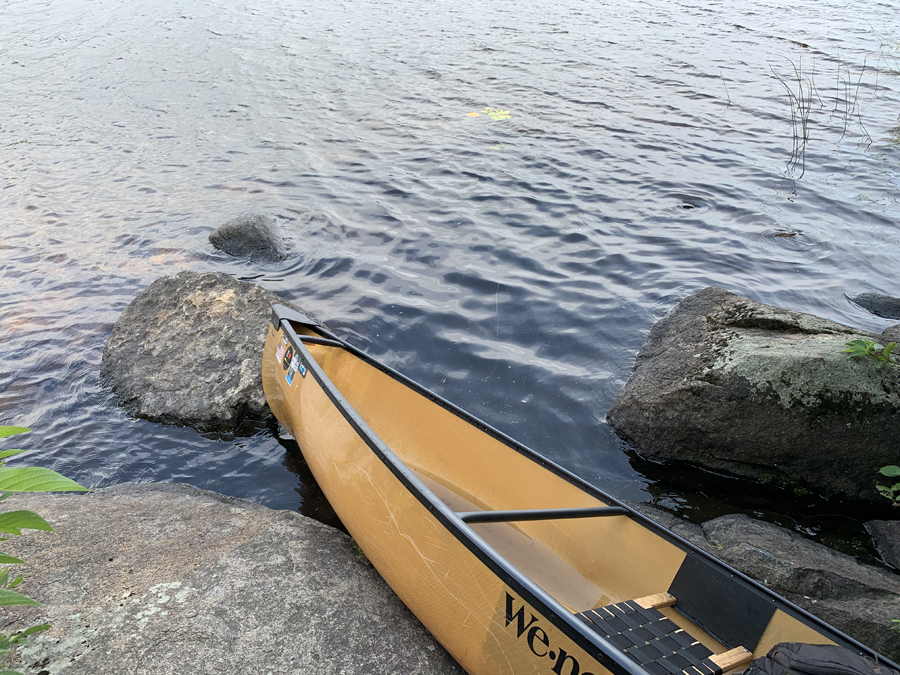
(860, 600)
(254, 237)
(159, 579)
(188, 351)
(754, 390)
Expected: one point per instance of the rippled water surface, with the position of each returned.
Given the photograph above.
(514, 266)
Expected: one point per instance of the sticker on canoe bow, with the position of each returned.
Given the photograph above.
(279, 353)
(292, 371)
(288, 357)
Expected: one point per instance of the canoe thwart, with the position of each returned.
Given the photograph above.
(656, 642)
(656, 600)
(472, 517)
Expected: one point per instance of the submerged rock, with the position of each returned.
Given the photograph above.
(254, 237)
(734, 385)
(886, 534)
(158, 579)
(188, 351)
(880, 305)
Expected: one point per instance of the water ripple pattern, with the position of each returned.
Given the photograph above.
(513, 265)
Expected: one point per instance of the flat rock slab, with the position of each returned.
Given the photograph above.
(188, 351)
(734, 385)
(150, 579)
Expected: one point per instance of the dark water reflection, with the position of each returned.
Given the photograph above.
(514, 266)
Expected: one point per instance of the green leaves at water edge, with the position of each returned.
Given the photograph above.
(36, 479)
(9, 598)
(890, 492)
(11, 431)
(6, 583)
(12, 522)
(861, 348)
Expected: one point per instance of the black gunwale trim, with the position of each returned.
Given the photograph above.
(432, 502)
(539, 514)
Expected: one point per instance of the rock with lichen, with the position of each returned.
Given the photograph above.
(734, 385)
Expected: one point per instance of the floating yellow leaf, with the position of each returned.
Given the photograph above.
(496, 114)
(473, 114)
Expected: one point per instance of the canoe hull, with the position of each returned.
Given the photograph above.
(484, 623)
(401, 466)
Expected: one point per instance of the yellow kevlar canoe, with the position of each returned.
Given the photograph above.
(514, 564)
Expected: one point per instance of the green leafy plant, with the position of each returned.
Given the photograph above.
(12, 480)
(862, 348)
(895, 624)
(890, 492)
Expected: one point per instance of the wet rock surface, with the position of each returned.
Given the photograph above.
(880, 305)
(734, 385)
(253, 237)
(860, 600)
(154, 579)
(188, 350)
(886, 535)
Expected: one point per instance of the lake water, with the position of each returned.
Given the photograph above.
(512, 265)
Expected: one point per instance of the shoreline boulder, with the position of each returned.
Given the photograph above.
(757, 391)
(187, 351)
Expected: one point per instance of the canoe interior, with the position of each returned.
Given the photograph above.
(580, 563)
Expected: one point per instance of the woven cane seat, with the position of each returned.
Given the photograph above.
(650, 639)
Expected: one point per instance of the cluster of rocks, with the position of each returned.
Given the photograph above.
(764, 393)
(722, 382)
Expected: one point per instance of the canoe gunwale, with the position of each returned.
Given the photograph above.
(470, 517)
(606, 653)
